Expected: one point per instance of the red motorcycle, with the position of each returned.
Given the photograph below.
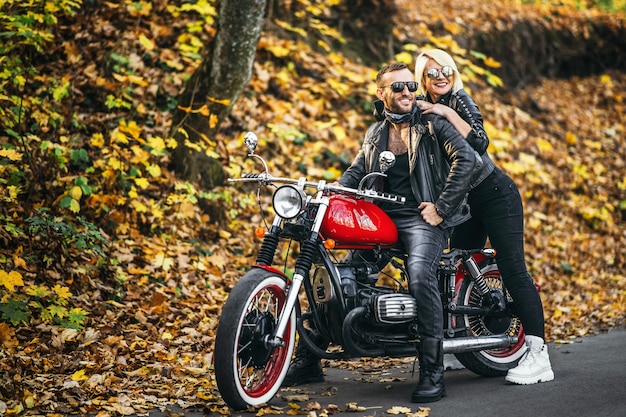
(359, 304)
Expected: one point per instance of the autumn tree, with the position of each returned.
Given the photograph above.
(213, 89)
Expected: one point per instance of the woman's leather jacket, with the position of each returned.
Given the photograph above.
(465, 106)
(440, 160)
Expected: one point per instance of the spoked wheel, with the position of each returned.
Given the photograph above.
(490, 362)
(248, 370)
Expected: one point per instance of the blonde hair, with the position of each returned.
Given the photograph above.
(442, 58)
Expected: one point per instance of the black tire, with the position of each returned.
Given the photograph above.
(247, 371)
(489, 362)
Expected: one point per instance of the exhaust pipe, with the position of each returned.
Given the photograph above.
(470, 344)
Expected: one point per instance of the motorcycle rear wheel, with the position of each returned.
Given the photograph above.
(248, 372)
(489, 362)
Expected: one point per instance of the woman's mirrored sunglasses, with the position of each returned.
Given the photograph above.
(398, 86)
(433, 73)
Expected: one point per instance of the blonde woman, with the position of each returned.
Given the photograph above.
(495, 205)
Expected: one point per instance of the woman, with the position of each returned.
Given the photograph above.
(495, 205)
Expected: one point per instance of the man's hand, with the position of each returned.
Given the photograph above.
(429, 214)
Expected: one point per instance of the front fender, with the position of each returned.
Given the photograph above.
(270, 268)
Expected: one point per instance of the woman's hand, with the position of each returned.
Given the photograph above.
(428, 107)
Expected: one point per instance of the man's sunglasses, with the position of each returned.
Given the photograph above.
(433, 73)
(398, 86)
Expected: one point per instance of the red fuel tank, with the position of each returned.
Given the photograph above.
(358, 224)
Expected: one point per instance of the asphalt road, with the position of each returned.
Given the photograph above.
(590, 380)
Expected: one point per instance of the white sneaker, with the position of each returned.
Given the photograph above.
(450, 362)
(535, 365)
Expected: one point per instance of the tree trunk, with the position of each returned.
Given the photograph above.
(213, 89)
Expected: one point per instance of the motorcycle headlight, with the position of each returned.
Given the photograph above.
(288, 201)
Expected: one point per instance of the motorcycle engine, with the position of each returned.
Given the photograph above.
(394, 308)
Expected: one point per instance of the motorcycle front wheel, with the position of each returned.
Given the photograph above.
(489, 362)
(248, 371)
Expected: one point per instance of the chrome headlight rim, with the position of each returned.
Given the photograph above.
(288, 201)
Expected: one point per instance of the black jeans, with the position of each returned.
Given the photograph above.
(424, 245)
(497, 212)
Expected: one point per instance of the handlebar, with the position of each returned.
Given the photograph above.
(322, 186)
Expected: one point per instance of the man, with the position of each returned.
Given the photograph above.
(433, 172)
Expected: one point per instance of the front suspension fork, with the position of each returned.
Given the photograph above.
(303, 266)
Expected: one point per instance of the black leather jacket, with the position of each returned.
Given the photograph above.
(465, 106)
(440, 164)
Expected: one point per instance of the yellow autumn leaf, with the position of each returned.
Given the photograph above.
(139, 206)
(76, 192)
(341, 88)
(167, 336)
(142, 183)
(207, 396)
(97, 140)
(12, 154)
(120, 137)
(120, 77)
(490, 62)
(421, 412)
(224, 102)
(204, 110)
(148, 44)
(140, 81)
(139, 8)
(396, 409)
(163, 261)
(289, 27)
(332, 173)
(187, 209)
(544, 145)
(156, 143)
(79, 376)
(154, 170)
(11, 280)
(570, 138)
(216, 260)
(405, 57)
(453, 28)
(340, 133)
(131, 128)
(595, 145)
(156, 210)
(13, 191)
(61, 291)
(19, 262)
(323, 45)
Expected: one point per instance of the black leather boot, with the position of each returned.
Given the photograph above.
(306, 367)
(430, 387)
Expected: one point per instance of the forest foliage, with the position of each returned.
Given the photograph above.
(113, 271)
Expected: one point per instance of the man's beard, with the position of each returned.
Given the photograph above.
(399, 118)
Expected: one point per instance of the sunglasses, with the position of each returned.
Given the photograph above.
(398, 86)
(433, 73)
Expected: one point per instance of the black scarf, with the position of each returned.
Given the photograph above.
(400, 118)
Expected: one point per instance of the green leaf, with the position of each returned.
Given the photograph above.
(77, 315)
(14, 312)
